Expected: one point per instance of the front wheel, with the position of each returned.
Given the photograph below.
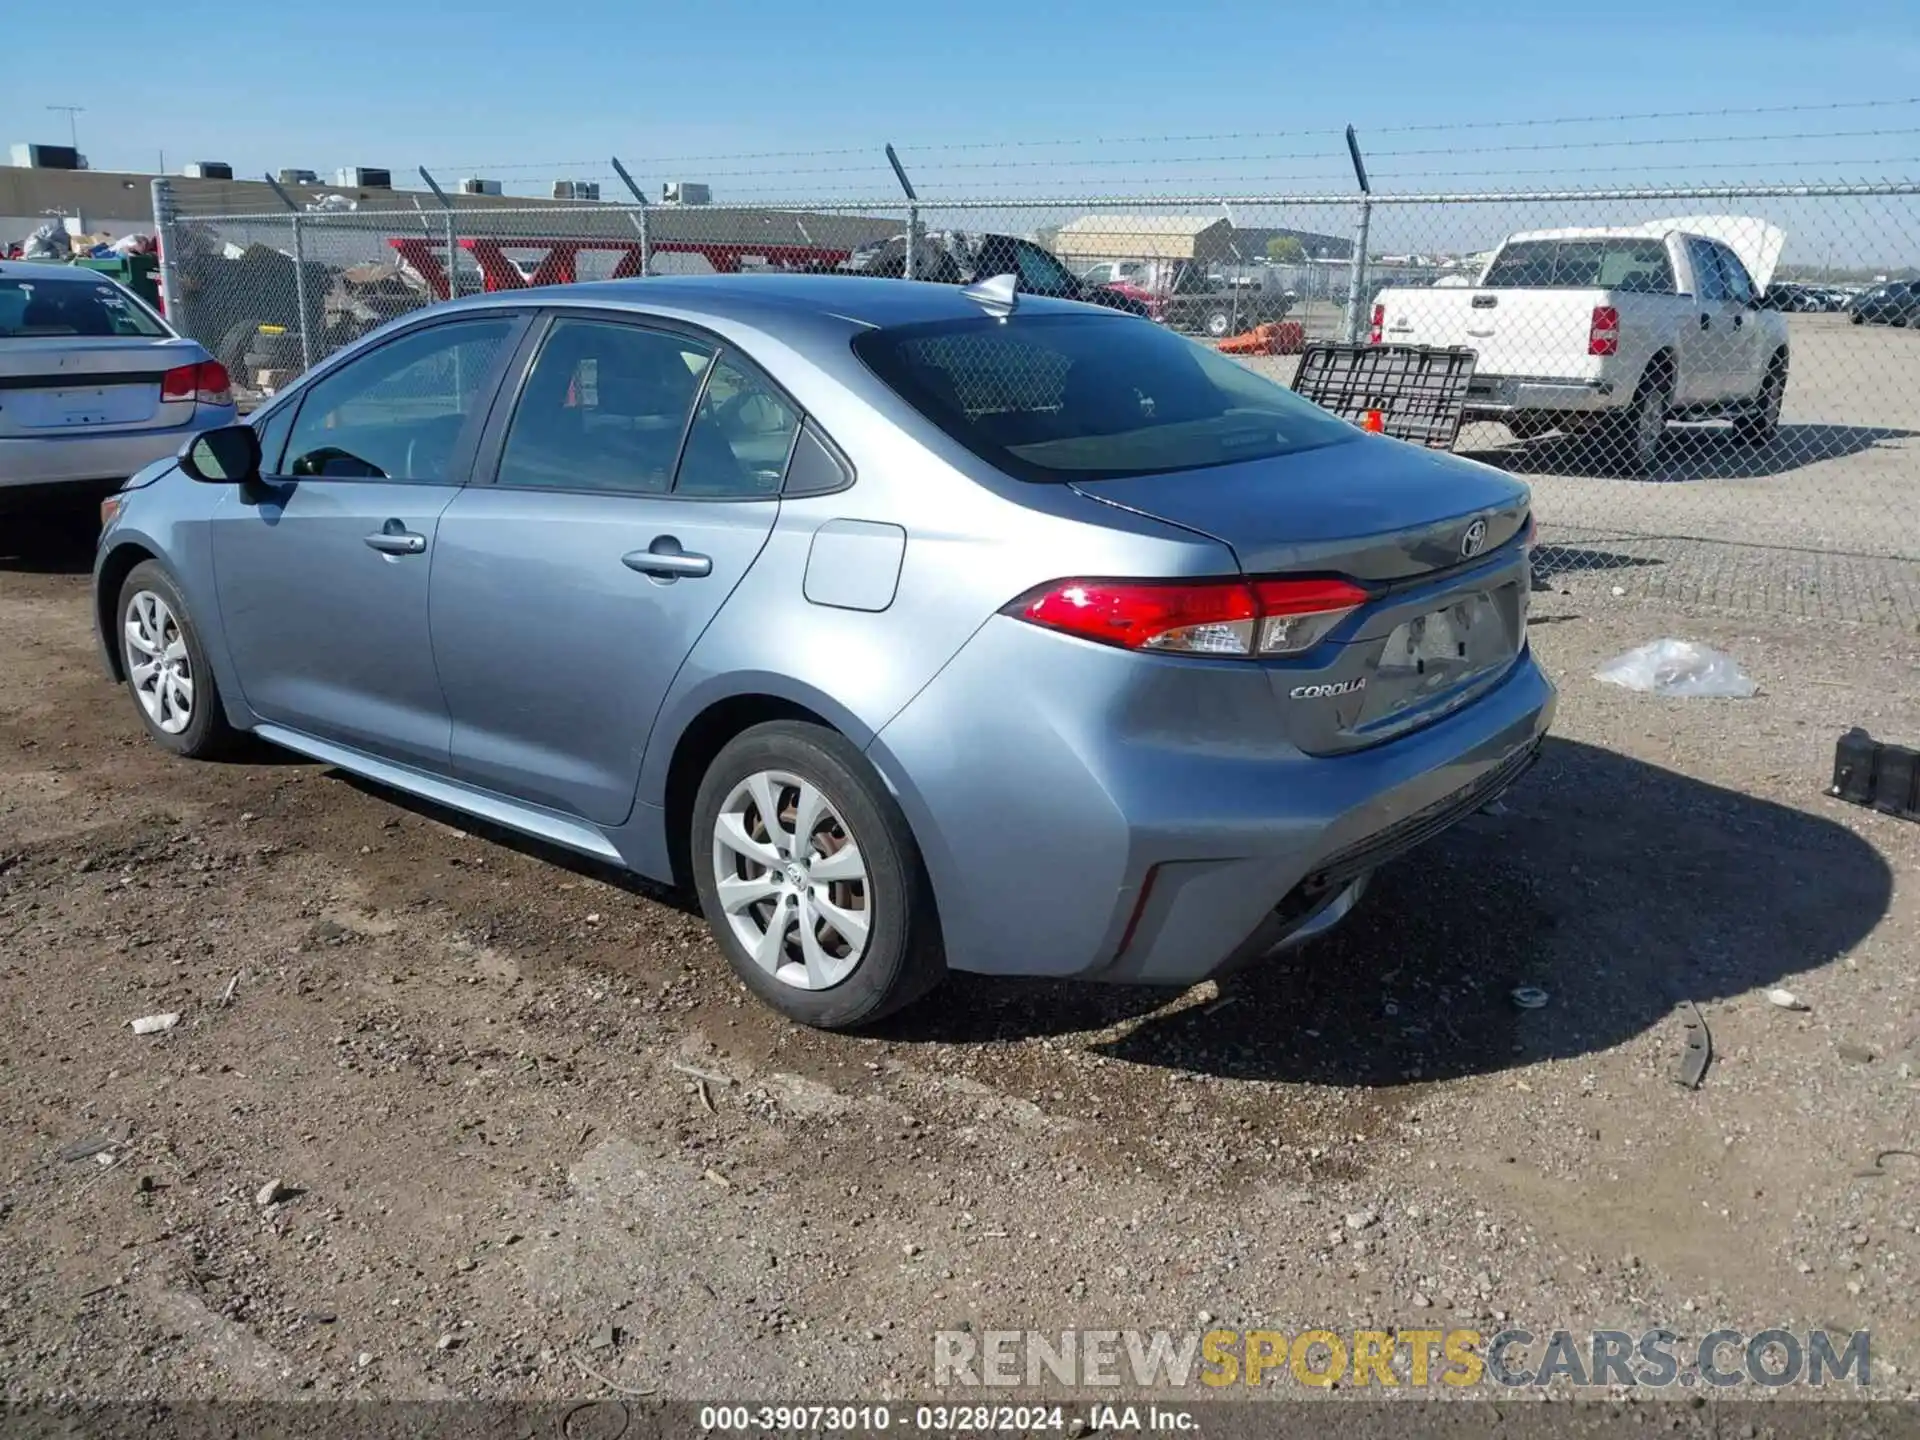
(810, 878)
(1219, 324)
(166, 667)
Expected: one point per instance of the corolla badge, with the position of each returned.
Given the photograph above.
(1334, 687)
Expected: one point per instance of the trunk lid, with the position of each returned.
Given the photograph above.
(1436, 539)
(93, 384)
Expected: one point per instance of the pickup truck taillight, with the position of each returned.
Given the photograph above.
(206, 383)
(1379, 323)
(1604, 336)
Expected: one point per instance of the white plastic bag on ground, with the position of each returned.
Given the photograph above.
(1678, 667)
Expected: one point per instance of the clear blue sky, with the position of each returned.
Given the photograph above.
(477, 87)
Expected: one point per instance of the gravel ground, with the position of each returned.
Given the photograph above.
(442, 1110)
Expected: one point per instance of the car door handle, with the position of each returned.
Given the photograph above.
(1706, 322)
(394, 540)
(665, 560)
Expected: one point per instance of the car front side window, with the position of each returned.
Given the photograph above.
(397, 412)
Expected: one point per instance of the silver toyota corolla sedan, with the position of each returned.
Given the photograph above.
(914, 627)
(93, 384)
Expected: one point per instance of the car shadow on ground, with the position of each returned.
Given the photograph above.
(1692, 452)
(1617, 887)
(543, 851)
(49, 542)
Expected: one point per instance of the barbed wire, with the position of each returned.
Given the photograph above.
(927, 148)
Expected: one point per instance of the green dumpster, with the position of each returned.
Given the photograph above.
(139, 273)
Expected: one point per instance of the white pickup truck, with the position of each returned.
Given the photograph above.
(1613, 330)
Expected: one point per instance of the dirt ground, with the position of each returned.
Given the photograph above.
(509, 1102)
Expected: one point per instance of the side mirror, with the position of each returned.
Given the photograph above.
(227, 456)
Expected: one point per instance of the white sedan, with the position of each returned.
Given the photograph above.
(94, 385)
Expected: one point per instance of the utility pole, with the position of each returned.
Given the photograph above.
(73, 126)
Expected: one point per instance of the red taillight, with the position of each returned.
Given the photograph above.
(1226, 618)
(1604, 336)
(1375, 331)
(207, 383)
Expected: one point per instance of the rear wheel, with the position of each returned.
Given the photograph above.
(1636, 435)
(810, 878)
(1218, 324)
(1760, 423)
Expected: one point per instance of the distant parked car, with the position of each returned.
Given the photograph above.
(955, 257)
(93, 384)
(1895, 304)
(1117, 272)
(1793, 298)
(914, 628)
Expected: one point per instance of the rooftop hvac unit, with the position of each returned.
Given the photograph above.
(361, 177)
(471, 186)
(48, 157)
(298, 177)
(208, 170)
(686, 192)
(576, 189)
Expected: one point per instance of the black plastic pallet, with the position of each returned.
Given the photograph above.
(1417, 391)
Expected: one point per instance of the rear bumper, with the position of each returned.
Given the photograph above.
(1072, 829)
(80, 460)
(1493, 397)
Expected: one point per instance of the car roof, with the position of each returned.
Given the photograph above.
(757, 299)
(49, 270)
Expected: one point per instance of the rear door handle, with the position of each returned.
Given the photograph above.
(393, 538)
(1706, 322)
(665, 560)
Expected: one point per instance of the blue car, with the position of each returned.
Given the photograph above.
(914, 627)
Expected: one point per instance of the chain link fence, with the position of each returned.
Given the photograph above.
(1714, 391)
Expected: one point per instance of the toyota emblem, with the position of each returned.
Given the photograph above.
(1474, 540)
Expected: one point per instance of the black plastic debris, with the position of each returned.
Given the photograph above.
(1876, 774)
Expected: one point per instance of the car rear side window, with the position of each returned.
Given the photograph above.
(1060, 397)
(1634, 265)
(35, 309)
(604, 408)
(396, 412)
(741, 436)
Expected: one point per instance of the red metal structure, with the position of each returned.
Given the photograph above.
(558, 265)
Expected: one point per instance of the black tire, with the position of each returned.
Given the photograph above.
(1218, 324)
(902, 959)
(1634, 438)
(234, 346)
(206, 735)
(1762, 423)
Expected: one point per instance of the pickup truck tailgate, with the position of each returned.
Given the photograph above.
(1535, 333)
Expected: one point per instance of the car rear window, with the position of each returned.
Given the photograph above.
(1054, 398)
(1639, 266)
(48, 309)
